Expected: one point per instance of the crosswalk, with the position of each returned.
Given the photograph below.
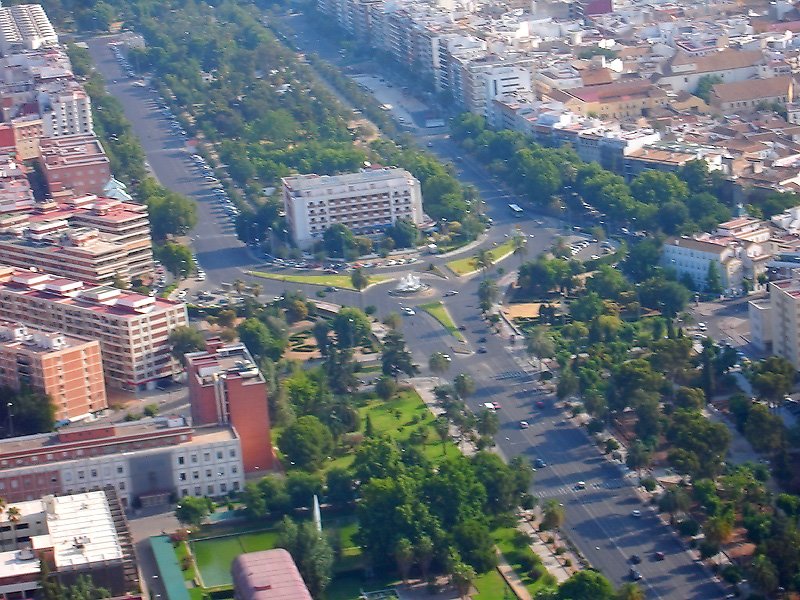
(565, 490)
(514, 375)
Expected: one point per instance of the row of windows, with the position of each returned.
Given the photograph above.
(211, 490)
(182, 476)
(206, 456)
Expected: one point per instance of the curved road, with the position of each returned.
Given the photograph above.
(598, 518)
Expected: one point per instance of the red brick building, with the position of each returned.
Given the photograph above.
(76, 162)
(226, 387)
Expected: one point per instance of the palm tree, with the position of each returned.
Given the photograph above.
(359, 279)
(483, 260)
(519, 244)
(256, 289)
(238, 285)
(14, 516)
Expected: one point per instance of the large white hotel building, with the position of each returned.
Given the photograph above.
(367, 202)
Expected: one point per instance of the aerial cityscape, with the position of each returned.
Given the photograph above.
(367, 299)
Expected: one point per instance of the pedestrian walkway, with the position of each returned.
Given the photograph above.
(512, 578)
(554, 564)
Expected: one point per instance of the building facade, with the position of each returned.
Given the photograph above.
(133, 330)
(25, 26)
(694, 259)
(68, 369)
(366, 202)
(226, 387)
(784, 318)
(147, 462)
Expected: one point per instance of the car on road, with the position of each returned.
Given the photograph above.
(636, 513)
(524, 425)
(450, 293)
(659, 556)
(581, 485)
(539, 463)
(482, 350)
(482, 340)
(540, 404)
(496, 405)
(408, 310)
(636, 559)
(634, 574)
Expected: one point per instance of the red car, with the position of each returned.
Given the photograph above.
(496, 405)
(540, 404)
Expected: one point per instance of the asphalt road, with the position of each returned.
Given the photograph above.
(598, 518)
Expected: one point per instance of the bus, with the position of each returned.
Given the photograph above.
(516, 210)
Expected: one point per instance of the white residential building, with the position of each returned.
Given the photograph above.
(784, 299)
(692, 258)
(759, 313)
(25, 26)
(66, 111)
(367, 202)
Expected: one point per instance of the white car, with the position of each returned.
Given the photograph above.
(408, 310)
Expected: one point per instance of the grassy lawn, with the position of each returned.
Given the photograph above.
(491, 586)
(438, 311)
(464, 266)
(182, 551)
(504, 538)
(214, 559)
(338, 281)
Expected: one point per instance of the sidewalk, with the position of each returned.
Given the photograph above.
(551, 562)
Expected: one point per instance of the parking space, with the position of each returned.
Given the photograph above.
(584, 247)
(406, 109)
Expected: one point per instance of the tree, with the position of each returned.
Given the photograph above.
(393, 320)
(253, 499)
(586, 584)
(385, 387)
(639, 456)
(306, 442)
(713, 282)
(176, 258)
(192, 510)
(359, 278)
(338, 240)
(519, 243)
(170, 213)
(424, 551)
(302, 487)
(442, 428)
(352, 327)
(259, 340)
(675, 500)
(630, 591)
(764, 574)
(438, 363)
(404, 556)
(396, 358)
(772, 378)
(475, 544)
(464, 385)
(339, 487)
(539, 342)
(340, 370)
(185, 339)
(552, 515)
(321, 332)
(704, 86)
(483, 260)
(404, 233)
(765, 431)
(488, 291)
(28, 411)
(311, 553)
(462, 575)
(488, 422)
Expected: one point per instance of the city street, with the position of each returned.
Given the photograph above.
(598, 518)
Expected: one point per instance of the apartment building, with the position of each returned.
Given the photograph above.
(65, 109)
(226, 387)
(66, 368)
(25, 26)
(684, 70)
(148, 462)
(694, 258)
(15, 191)
(620, 100)
(80, 535)
(367, 202)
(76, 162)
(133, 330)
(783, 314)
(73, 252)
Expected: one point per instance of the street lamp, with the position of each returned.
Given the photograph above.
(10, 406)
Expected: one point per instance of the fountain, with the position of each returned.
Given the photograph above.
(409, 284)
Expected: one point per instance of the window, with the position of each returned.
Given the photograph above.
(211, 490)
(181, 460)
(80, 475)
(194, 459)
(195, 475)
(184, 492)
(197, 491)
(94, 472)
(206, 456)
(208, 473)
(182, 476)
(120, 470)
(223, 488)
(122, 485)
(219, 454)
(233, 453)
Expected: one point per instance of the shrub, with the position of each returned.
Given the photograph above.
(595, 426)
(550, 539)
(567, 562)
(521, 539)
(731, 574)
(649, 484)
(537, 572)
(560, 550)
(527, 501)
(526, 562)
(688, 527)
(707, 549)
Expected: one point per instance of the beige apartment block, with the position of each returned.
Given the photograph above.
(66, 368)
